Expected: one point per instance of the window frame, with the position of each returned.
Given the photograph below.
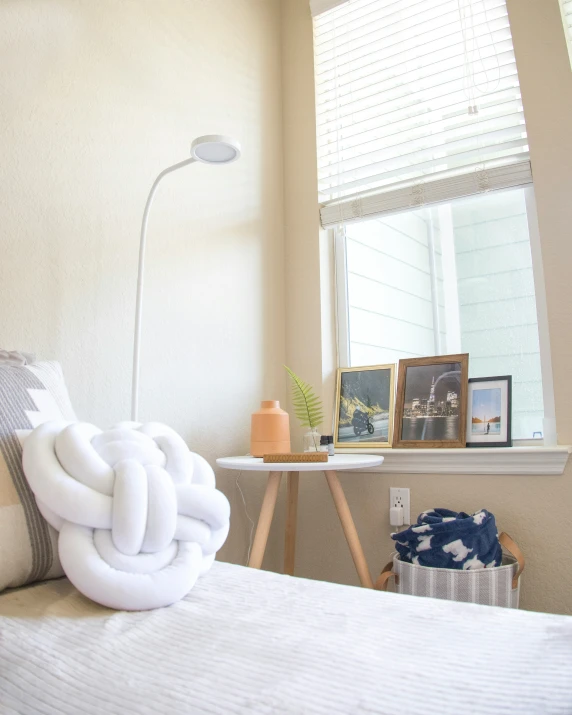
(338, 235)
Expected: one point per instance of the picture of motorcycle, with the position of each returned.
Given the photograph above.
(361, 423)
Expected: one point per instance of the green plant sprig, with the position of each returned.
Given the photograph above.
(307, 405)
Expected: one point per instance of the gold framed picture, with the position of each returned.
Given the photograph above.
(364, 406)
(431, 404)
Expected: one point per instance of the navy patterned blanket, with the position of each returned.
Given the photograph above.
(449, 539)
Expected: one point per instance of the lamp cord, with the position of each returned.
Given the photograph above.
(247, 516)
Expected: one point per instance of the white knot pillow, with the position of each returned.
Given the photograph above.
(138, 515)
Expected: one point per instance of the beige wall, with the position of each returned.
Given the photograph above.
(95, 99)
(534, 510)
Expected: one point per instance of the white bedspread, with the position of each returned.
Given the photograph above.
(246, 641)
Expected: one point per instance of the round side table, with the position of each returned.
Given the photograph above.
(340, 462)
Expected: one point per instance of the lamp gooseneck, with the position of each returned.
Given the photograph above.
(209, 149)
(140, 278)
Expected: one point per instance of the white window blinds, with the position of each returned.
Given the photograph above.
(317, 7)
(414, 91)
(566, 7)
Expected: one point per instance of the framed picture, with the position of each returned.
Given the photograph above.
(489, 412)
(431, 408)
(364, 406)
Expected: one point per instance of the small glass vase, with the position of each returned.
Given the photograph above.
(312, 441)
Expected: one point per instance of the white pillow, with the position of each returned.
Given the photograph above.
(138, 514)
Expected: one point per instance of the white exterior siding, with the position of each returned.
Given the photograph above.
(389, 289)
(497, 303)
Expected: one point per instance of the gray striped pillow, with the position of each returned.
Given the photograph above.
(29, 395)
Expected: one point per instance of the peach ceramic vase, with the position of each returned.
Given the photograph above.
(270, 430)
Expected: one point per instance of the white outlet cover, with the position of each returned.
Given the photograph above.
(400, 496)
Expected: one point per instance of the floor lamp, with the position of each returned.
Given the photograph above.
(210, 149)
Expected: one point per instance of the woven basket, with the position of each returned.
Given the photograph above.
(499, 586)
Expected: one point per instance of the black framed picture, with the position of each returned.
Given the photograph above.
(489, 411)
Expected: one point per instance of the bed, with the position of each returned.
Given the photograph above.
(249, 641)
(244, 640)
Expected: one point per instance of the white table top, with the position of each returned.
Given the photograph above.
(340, 462)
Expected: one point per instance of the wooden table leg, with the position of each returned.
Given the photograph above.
(264, 520)
(291, 514)
(349, 528)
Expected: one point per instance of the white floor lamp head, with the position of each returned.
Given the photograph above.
(215, 149)
(209, 149)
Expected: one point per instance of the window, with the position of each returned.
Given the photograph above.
(454, 277)
(424, 174)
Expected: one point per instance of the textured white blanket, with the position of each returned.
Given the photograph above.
(246, 641)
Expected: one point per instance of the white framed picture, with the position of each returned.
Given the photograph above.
(489, 408)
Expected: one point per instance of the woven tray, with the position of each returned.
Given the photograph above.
(300, 457)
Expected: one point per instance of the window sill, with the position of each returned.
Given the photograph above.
(476, 460)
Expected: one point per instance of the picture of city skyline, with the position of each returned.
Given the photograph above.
(431, 407)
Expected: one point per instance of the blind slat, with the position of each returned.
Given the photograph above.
(566, 7)
(323, 17)
(385, 64)
(344, 126)
(402, 121)
(409, 90)
(343, 37)
(399, 169)
(317, 7)
(410, 72)
(445, 81)
(398, 143)
(351, 13)
(357, 208)
(339, 64)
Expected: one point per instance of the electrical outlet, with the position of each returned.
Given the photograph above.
(398, 496)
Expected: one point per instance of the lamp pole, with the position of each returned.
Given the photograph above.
(140, 278)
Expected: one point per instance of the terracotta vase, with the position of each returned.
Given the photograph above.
(270, 430)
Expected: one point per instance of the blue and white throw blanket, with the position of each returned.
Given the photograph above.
(452, 540)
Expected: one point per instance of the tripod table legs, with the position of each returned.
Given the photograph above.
(291, 514)
(349, 528)
(267, 514)
(264, 520)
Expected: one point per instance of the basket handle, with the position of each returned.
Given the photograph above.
(384, 576)
(513, 549)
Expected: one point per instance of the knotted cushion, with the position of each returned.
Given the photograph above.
(138, 515)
